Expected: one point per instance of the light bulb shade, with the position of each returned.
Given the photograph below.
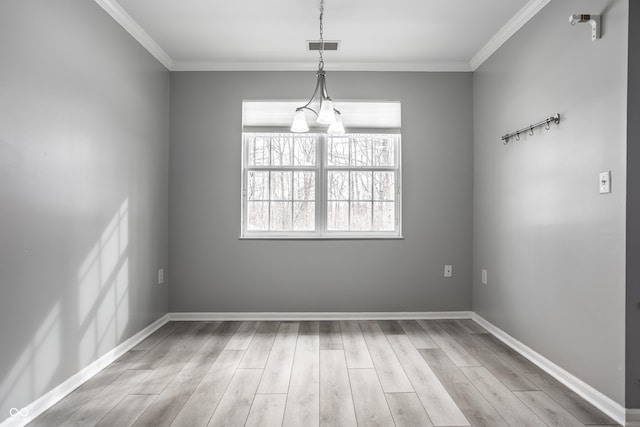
(336, 128)
(327, 115)
(299, 122)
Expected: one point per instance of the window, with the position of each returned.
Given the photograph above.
(321, 186)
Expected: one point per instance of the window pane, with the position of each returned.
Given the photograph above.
(258, 151)
(281, 185)
(383, 186)
(304, 152)
(361, 183)
(304, 216)
(361, 151)
(338, 151)
(384, 216)
(338, 185)
(281, 150)
(360, 216)
(257, 216)
(280, 216)
(257, 185)
(337, 216)
(383, 151)
(304, 185)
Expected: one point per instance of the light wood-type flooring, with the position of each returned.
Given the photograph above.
(329, 373)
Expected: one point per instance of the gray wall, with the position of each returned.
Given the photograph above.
(83, 191)
(553, 246)
(211, 270)
(633, 212)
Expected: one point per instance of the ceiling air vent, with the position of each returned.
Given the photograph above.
(328, 45)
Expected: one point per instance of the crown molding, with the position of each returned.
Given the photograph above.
(311, 66)
(131, 26)
(509, 29)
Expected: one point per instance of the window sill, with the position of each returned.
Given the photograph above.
(321, 238)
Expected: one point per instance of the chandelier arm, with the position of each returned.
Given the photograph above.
(315, 92)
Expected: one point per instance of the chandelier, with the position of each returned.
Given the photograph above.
(327, 114)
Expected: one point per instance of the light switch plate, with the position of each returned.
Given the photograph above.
(484, 276)
(605, 182)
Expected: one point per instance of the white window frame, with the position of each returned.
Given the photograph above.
(321, 177)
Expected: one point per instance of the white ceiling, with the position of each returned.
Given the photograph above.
(412, 35)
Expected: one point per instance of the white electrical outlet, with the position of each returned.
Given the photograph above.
(605, 182)
(448, 271)
(484, 276)
(160, 276)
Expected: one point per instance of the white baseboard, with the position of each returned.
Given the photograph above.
(584, 390)
(54, 396)
(319, 316)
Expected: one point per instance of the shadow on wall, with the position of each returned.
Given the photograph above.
(102, 318)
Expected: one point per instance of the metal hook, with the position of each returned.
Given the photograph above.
(531, 130)
(505, 139)
(547, 127)
(518, 136)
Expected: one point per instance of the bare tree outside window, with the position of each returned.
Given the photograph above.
(355, 174)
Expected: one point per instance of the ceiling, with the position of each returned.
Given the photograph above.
(408, 35)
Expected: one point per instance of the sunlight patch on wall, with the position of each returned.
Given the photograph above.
(103, 289)
(33, 372)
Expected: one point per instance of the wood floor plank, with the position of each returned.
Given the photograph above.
(470, 401)
(277, 371)
(547, 409)
(441, 408)
(217, 341)
(173, 340)
(125, 413)
(303, 401)
(368, 398)
(407, 410)
(417, 334)
(507, 374)
(569, 400)
(158, 379)
(391, 327)
(330, 336)
(156, 337)
(392, 376)
(103, 402)
(507, 354)
(199, 407)
(174, 361)
(501, 398)
(243, 336)
(62, 410)
(471, 326)
(336, 402)
(196, 336)
(164, 409)
(255, 357)
(311, 327)
(235, 404)
(454, 350)
(355, 347)
(267, 410)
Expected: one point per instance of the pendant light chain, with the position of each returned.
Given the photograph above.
(321, 63)
(326, 114)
